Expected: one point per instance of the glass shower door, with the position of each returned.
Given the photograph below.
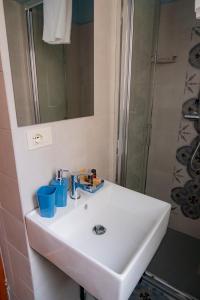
(145, 25)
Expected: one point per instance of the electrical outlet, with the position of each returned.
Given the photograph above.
(39, 137)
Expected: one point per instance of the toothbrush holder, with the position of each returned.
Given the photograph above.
(46, 196)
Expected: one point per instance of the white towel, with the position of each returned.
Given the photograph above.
(57, 21)
(197, 8)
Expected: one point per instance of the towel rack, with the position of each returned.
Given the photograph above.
(165, 60)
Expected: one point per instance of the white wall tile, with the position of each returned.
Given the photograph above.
(12, 295)
(4, 118)
(5, 253)
(0, 64)
(15, 232)
(7, 161)
(7, 263)
(21, 290)
(10, 199)
(20, 265)
(2, 228)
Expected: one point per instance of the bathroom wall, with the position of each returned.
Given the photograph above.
(85, 142)
(13, 244)
(169, 130)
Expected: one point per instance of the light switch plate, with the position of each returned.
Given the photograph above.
(39, 137)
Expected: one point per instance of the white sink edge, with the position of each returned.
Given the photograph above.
(59, 238)
(127, 268)
(42, 222)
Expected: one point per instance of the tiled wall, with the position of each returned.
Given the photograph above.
(85, 142)
(13, 242)
(176, 26)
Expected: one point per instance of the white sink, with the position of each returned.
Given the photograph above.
(109, 265)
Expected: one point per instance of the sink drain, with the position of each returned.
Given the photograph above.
(99, 229)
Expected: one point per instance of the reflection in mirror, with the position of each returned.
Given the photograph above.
(51, 82)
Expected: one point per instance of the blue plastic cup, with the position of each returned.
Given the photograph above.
(46, 200)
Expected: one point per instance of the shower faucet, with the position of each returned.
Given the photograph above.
(192, 116)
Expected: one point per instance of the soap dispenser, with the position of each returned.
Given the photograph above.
(61, 184)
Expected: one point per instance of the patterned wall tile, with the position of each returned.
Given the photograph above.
(186, 176)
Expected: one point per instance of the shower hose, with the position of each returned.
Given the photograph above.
(193, 158)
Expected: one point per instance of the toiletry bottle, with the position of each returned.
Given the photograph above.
(96, 180)
(94, 172)
(61, 184)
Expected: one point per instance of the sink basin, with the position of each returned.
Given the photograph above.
(107, 260)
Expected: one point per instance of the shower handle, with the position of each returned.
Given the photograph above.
(192, 116)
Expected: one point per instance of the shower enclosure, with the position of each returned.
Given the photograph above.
(159, 126)
(139, 101)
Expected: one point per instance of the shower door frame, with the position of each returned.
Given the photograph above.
(125, 86)
(124, 89)
(32, 64)
(31, 57)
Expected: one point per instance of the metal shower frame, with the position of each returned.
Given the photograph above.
(31, 57)
(124, 89)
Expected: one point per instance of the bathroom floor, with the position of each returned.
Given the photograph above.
(151, 289)
(176, 262)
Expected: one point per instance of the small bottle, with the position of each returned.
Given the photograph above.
(90, 179)
(94, 172)
(61, 184)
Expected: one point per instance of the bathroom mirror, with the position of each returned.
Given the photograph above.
(51, 82)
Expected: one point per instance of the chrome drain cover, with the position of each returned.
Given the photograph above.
(99, 229)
